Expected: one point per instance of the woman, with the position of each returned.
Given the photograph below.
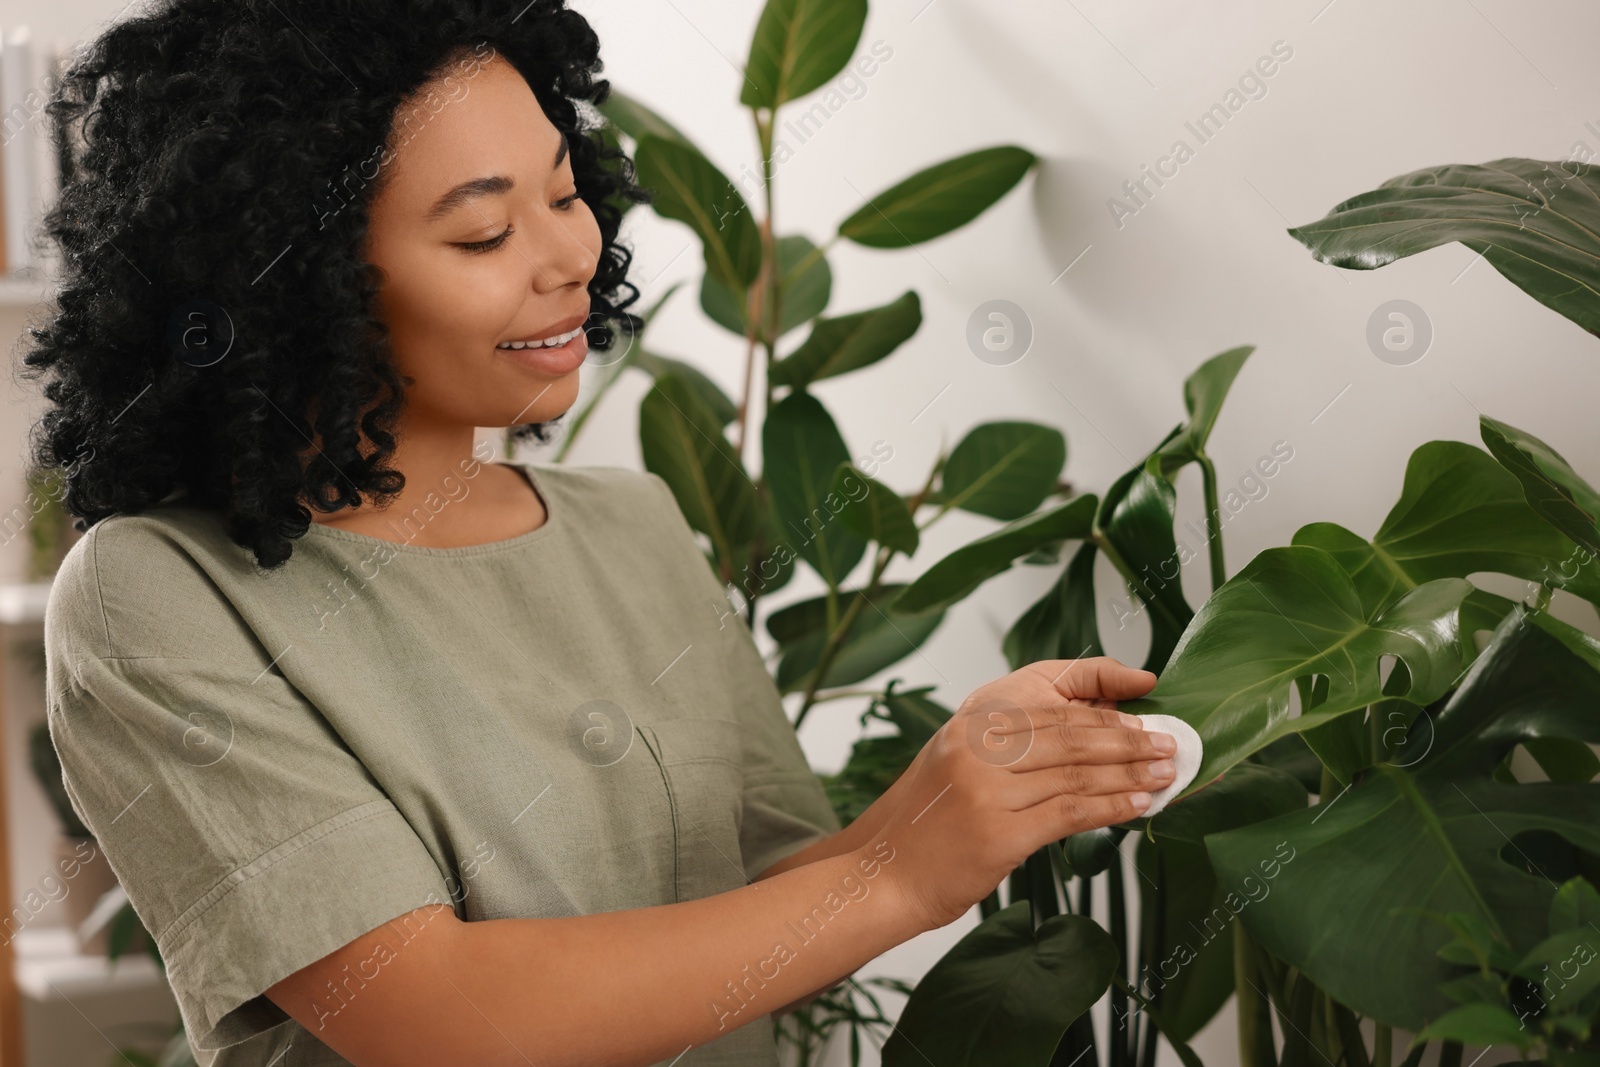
(406, 757)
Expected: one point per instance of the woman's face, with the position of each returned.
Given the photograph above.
(481, 241)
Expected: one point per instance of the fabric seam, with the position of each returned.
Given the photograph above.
(267, 860)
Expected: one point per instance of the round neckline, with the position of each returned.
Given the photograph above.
(551, 519)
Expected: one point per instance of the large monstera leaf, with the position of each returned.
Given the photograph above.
(1293, 615)
(1536, 222)
(1359, 906)
(1459, 512)
(1552, 488)
(1005, 993)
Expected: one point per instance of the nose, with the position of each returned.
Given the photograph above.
(561, 254)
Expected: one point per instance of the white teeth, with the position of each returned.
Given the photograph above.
(548, 342)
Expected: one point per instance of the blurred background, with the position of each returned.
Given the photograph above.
(1117, 284)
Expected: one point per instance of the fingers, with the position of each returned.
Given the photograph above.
(1099, 677)
(1067, 742)
(1061, 816)
(1088, 780)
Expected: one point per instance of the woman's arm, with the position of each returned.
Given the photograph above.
(862, 830)
(623, 987)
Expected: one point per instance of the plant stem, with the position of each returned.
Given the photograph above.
(1450, 1054)
(1382, 1045)
(838, 633)
(1255, 1010)
(1208, 480)
(1122, 1028)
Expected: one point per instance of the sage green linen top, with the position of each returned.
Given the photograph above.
(566, 722)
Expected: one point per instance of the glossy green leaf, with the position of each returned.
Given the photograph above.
(682, 442)
(850, 342)
(801, 448)
(688, 187)
(1203, 394)
(939, 199)
(1004, 994)
(1293, 612)
(636, 120)
(874, 511)
(1061, 624)
(1459, 512)
(1136, 519)
(1549, 484)
(1536, 222)
(709, 392)
(879, 638)
(969, 566)
(807, 283)
(798, 46)
(1375, 870)
(1291, 755)
(1004, 469)
(1248, 793)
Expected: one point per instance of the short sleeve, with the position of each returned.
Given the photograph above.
(250, 840)
(785, 807)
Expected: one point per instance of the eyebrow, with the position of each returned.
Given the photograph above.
(494, 185)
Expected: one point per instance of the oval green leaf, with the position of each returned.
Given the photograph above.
(941, 198)
(850, 342)
(1004, 469)
(799, 45)
(688, 187)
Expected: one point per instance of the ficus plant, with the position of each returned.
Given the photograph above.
(1426, 888)
(808, 501)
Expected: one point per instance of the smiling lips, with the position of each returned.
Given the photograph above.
(560, 334)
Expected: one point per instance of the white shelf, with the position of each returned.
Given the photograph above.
(50, 967)
(23, 602)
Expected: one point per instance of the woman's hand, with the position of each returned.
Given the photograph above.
(1032, 757)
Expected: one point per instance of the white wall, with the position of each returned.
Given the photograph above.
(1099, 89)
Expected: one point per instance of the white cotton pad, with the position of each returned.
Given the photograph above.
(1185, 761)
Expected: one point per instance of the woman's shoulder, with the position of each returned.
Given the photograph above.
(133, 571)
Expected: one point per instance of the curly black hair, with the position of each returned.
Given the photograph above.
(219, 158)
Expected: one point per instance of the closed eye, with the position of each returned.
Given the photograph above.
(489, 245)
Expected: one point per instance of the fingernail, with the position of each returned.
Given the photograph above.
(1162, 769)
(1140, 800)
(1132, 722)
(1165, 744)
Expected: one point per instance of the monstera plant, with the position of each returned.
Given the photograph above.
(1426, 889)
